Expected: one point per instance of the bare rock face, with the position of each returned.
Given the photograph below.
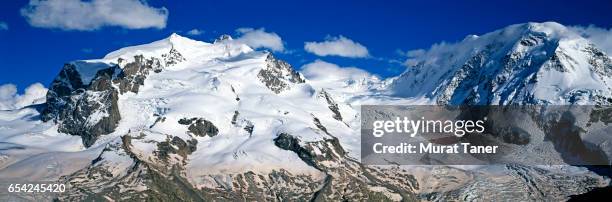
(278, 185)
(278, 75)
(88, 108)
(347, 179)
(176, 146)
(200, 127)
(133, 74)
(123, 170)
(333, 106)
(173, 57)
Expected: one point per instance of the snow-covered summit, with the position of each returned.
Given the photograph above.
(189, 48)
(223, 38)
(523, 63)
(165, 53)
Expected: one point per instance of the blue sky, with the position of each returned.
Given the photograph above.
(34, 51)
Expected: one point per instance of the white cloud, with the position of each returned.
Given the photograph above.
(3, 26)
(415, 53)
(195, 32)
(259, 38)
(328, 75)
(339, 46)
(9, 99)
(94, 14)
(601, 37)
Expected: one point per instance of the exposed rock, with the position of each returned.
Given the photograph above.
(125, 171)
(248, 125)
(234, 91)
(172, 58)
(600, 61)
(86, 110)
(200, 127)
(157, 120)
(278, 75)
(134, 73)
(186, 121)
(346, 178)
(249, 128)
(175, 146)
(278, 185)
(235, 117)
(333, 106)
(288, 142)
(90, 109)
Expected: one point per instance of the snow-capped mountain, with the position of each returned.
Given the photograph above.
(215, 120)
(532, 63)
(179, 119)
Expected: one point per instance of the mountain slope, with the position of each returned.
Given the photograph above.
(179, 119)
(532, 63)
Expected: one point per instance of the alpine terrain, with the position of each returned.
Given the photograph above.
(179, 119)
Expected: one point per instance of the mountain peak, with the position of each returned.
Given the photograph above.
(552, 30)
(175, 38)
(174, 35)
(223, 37)
(522, 63)
(156, 48)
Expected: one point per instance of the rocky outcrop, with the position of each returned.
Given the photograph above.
(346, 179)
(86, 105)
(277, 185)
(600, 62)
(123, 170)
(333, 106)
(200, 127)
(134, 73)
(172, 58)
(244, 123)
(278, 75)
(86, 110)
(176, 146)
